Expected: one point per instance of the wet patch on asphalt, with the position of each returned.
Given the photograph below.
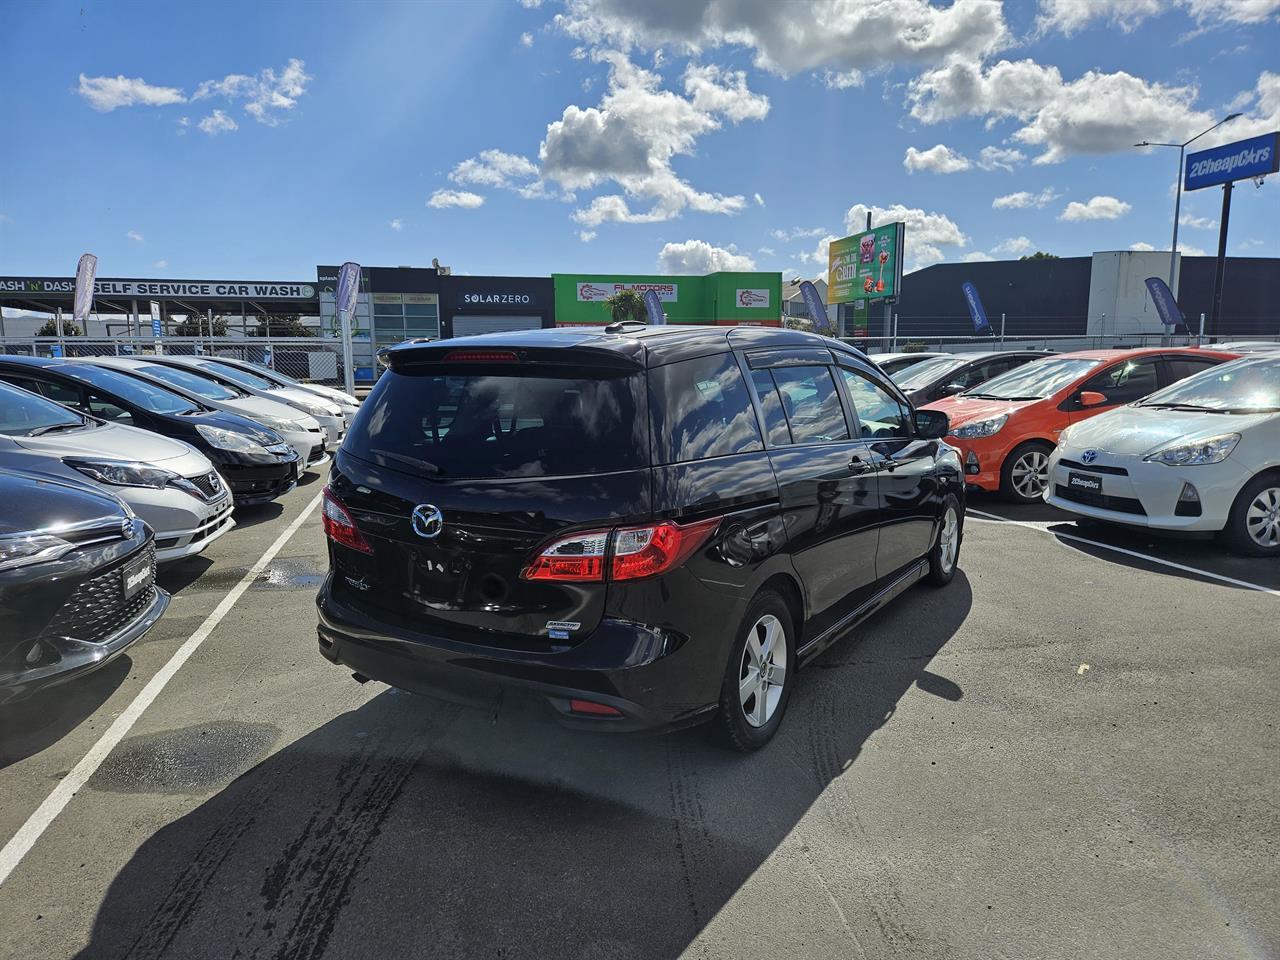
(188, 760)
(296, 572)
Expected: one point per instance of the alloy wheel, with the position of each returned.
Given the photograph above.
(1030, 474)
(949, 540)
(763, 671)
(1262, 518)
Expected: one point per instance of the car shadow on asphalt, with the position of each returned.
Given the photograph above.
(409, 827)
(262, 513)
(36, 723)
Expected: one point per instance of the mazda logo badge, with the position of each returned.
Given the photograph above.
(1089, 456)
(427, 520)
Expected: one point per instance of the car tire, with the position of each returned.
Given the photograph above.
(750, 712)
(1253, 526)
(1025, 473)
(944, 556)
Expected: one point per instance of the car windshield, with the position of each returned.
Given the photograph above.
(242, 377)
(138, 392)
(926, 371)
(191, 382)
(1250, 385)
(1035, 380)
(483, 426)
(24, 414)
(275, 375)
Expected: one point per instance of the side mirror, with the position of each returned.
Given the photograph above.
(932, 424)
(1091, 398)
(951, 389)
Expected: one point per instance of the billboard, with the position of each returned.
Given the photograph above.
(866, 265)
(1255, 157)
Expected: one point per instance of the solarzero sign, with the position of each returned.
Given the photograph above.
(177, 289)
(1255, 157)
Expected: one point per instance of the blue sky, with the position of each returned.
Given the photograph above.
(253, 141)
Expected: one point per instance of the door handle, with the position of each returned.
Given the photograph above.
(858, 466)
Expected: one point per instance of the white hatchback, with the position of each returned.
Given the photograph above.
(1200, 455)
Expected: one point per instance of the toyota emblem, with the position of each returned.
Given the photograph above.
(1089, 456)
(427, 520)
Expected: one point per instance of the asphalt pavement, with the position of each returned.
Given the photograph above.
(1071, 751)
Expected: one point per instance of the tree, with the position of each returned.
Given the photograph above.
(198, 326)
(286, 325)
(1040, 255)
(627, 305)
(50, 329)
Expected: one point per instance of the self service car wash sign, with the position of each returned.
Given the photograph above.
(1256, 157)
(866, 265)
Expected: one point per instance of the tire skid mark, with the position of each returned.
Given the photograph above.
(688, 814)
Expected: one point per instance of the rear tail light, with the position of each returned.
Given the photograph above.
(638, 552)
(338, 525)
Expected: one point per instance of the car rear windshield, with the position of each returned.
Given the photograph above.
(1249, 385)
(191, 382)
(138, 392)
(24, 414)
(926, 371)
(1035, 380)
(488, 425)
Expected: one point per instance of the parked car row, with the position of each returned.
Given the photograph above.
(111, 466)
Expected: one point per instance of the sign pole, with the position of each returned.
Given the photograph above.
(1215, 320)
(1002, 331)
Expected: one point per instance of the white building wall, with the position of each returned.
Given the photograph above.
(1119, 304)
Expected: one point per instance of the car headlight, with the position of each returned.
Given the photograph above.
(313, 410)
(980, 428)
(122, 473)
(1212, 450)
(228, 440)
(278, 425)
(1063, 436)
(22, 551)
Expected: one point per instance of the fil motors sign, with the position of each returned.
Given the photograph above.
(594, 292)
(1256, 157)
(749, 299)
(165, 289)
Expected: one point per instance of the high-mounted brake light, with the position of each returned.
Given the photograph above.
(638, 552)
(481, 356)
(338, 525)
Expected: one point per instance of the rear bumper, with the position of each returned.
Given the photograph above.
(78, 657)
(629, 666)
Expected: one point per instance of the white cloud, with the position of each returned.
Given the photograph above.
(265, 95)
(698, 256)
(508, 171)
(1187, 250)
(922, 227)
(531, 4)
(1142, 246)
(841, 79)
(1265, 116)
(714, 90)
(976, 256)
(1197, 223)
(819, 253)
(1014, 246)
(1098, 208)
(937, 159)
(1024, 198)
(184, 124)
(397, 224)
(770, 252)
(526, 39)
(801, 35)
(966, 88)
(216, 123)
(134, 235)
(923, 255)
(108, 93)
(1000, 158)
(797, 233)
(455, 198)
(1069, 16)
(586, 236)
(759, 200)
(161, 264)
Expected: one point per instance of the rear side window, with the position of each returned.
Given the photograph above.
(701, 409)
(483, 425)
(1182, 367)
(1125, 382)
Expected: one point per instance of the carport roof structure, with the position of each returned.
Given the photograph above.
(127, 296)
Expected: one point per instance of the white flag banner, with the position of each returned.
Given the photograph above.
(86, 270)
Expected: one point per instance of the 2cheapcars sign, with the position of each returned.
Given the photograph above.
(160, 289)
(602, 290)
(1255, 157)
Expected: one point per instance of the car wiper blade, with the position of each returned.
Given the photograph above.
(41, 431)
(1183, 406)
(412, 461)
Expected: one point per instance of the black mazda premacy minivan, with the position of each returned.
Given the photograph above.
(635, 526)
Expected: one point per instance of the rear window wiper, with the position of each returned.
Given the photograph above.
(41, 431)
(411, 461)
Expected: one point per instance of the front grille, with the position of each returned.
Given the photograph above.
(317, 453)
(97, 609)
(209, 485)
(1094, 468)
(1101, 500)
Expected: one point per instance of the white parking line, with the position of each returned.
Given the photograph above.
(38, 822)
(1045, 528)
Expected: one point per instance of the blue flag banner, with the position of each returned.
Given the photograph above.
(348, 289)
(1166, 304)
(817, 310)
(979, 315)
(653, 306)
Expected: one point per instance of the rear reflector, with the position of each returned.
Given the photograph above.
(338, 525)
(594, 709)
(480, 356)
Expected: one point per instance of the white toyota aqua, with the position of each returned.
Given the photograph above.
(1200, 455)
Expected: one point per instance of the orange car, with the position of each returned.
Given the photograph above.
(1006, 428)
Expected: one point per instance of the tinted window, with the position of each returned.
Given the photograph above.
(23, 382)
(701, 409)
(880, 415)
(811, 404)
(1035, 380)
(132, 390)
(775, 421)
(24, 413)
(191, 382)
(105, 409)
(481, 426)
(927, 371)
(60, 392)
(1125, 382)
(1182, 367)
